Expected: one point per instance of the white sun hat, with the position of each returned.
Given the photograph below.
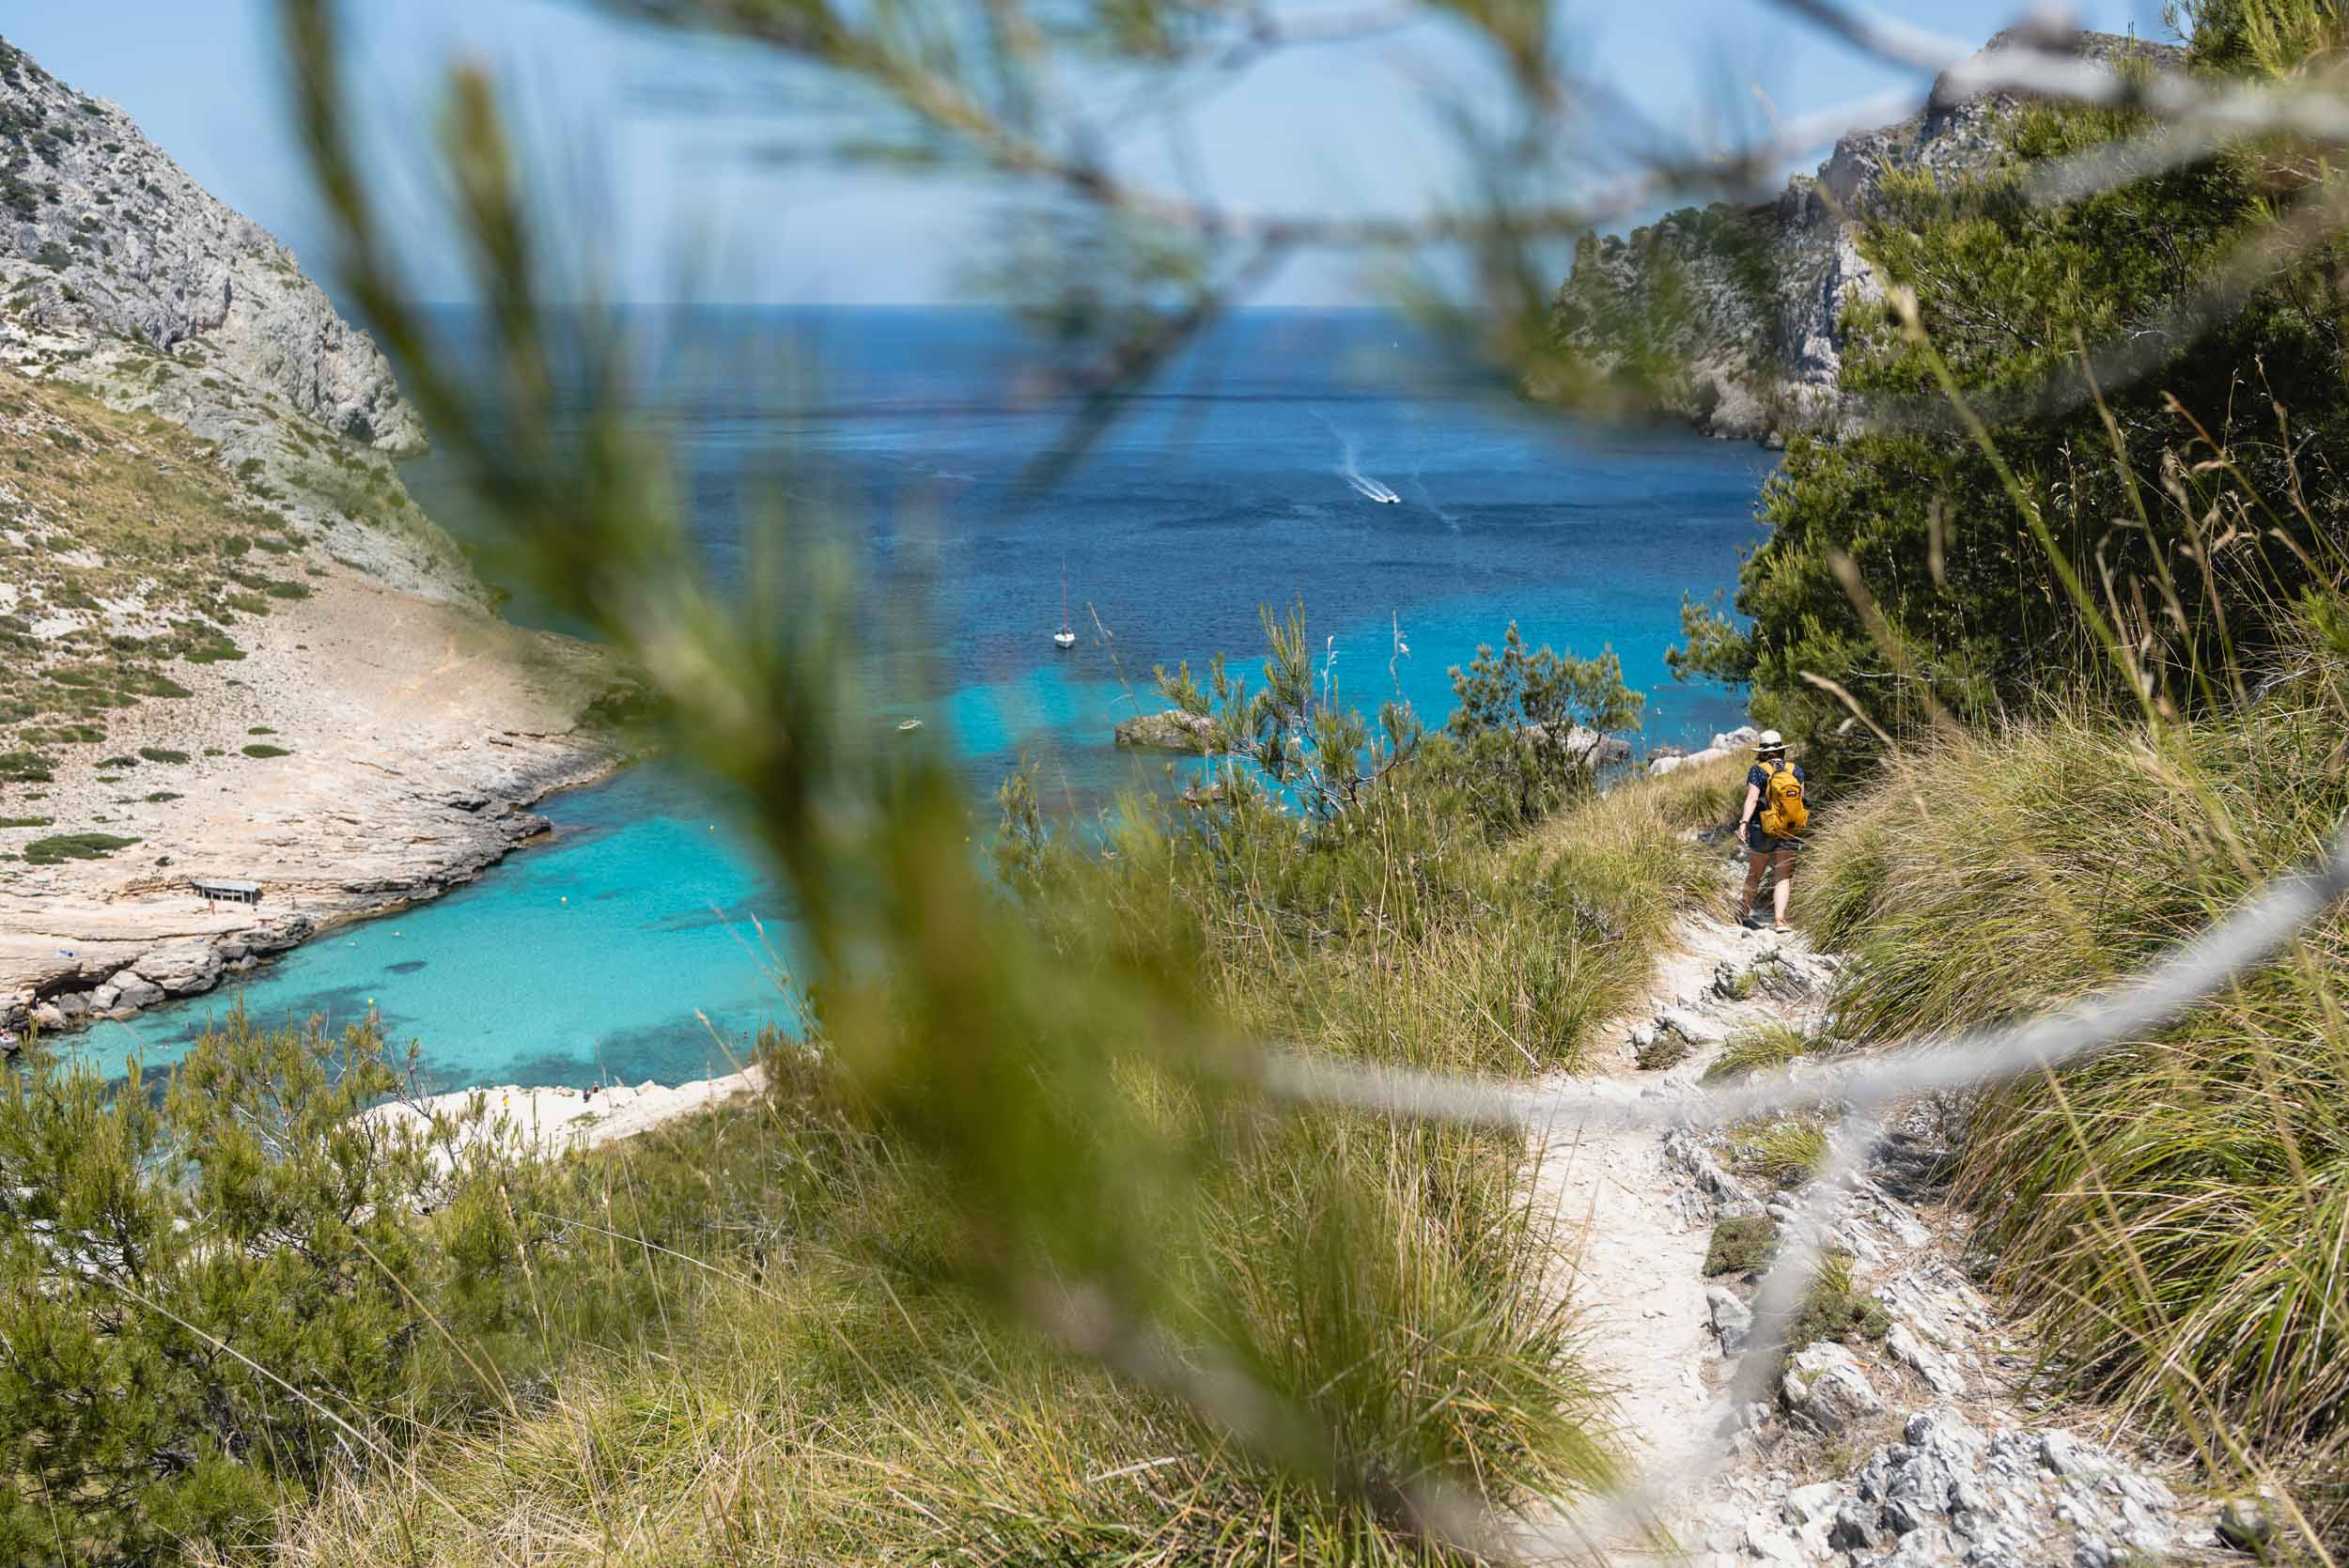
(1770, 742)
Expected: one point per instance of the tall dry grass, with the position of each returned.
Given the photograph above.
(2172, 1212)
(831, 1391)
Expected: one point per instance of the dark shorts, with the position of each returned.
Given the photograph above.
(1763, 844)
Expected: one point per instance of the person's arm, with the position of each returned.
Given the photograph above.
(1753, 797)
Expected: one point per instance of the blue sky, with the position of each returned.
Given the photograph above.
(690, 204)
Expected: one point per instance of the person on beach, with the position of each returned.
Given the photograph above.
(1772, 829)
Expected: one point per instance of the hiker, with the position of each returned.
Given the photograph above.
(1771, 828)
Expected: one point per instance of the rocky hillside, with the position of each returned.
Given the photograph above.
(1730, 316)
(230, 643)
(106, 235)
(121, 273)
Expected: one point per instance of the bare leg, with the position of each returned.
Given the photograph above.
(1753, 882)
(1783, 891)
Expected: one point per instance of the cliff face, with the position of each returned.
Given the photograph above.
(121, 275)
(1731, 317)
(100, 232)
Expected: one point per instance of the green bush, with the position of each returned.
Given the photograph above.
(213, 1319)
(1967, 609)
(26, 768)
(263, 749)
(161, 753)
(60, 847)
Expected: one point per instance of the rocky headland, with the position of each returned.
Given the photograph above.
(1732, 317)
(231, 645)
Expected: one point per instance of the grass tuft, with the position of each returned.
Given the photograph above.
(1788, 1150)
(1757, 1050)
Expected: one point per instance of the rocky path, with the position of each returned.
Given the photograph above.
(1910, 1434)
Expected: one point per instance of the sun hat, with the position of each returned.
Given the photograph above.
(1770, 742)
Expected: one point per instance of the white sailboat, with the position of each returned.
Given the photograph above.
(1064, 638)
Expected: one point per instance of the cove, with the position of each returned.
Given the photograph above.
(631, 947)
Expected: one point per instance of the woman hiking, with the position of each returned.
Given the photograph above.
(1771, 828)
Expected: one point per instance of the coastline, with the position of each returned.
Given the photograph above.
(192, 958)
(548, 1122)
(408, 742)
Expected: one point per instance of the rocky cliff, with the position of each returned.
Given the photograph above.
(1732, 317)
(231, 643)
(101, 233)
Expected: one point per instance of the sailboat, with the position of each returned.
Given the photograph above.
(1064, 638)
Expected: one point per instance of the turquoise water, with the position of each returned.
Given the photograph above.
(627, 949)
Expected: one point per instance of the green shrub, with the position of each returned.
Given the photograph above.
(26, 768)
(150, 683)
(161, 753)
(1965, 593)
(25, 821)
(118, 762)
(1834, 1307)
(162, 794)
(1740, 1245)
(1788, 1150)
(60, 847)
(213, 1316)
(263, 749)
(260, 729)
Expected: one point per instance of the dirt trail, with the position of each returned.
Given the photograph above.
(1632, 1231)
(1920, 1442)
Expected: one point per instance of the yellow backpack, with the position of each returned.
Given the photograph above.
(1783, 815)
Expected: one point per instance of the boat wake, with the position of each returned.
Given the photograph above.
(1350, 471)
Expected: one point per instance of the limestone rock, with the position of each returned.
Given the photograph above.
(181, 968)
(1748, 360)
(1941, 1374)
(1738, 739)
(104, 233)
(133, 989)
(1173, 730)
(1824, 1385)
(2245, 1524)
(1694, 1028)
(1732, 1320)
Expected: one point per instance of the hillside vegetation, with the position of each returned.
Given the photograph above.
(763, 1336)
(2173, 1211)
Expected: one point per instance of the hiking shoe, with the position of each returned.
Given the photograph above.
(1783, 930)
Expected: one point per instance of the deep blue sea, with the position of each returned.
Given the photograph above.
(644, 940)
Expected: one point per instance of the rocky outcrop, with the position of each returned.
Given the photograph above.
(1733, 317)
(1173, 731)
(101, 233)
(206, 542)
(122, 277)
(1720, 748)
(423, 845)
